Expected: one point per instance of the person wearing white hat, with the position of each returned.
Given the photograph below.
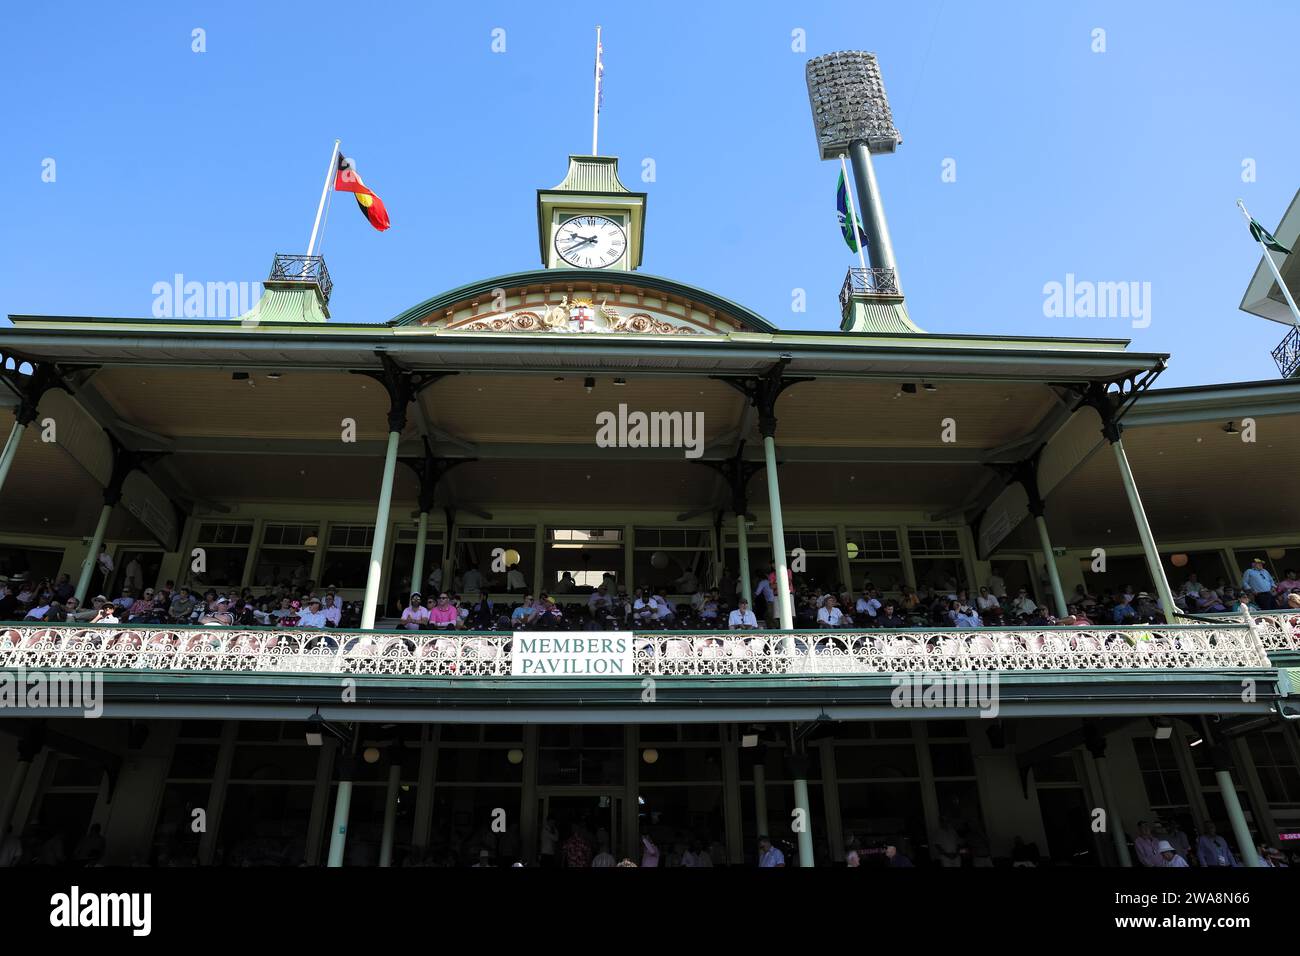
(1169, 854)
(314, 616)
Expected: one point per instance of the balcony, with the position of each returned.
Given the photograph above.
(478, 655)
(868, 282)
(1287, 354)
(309, 270)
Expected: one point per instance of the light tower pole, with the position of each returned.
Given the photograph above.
(852, 118)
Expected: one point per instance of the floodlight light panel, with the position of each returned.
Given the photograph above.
(848, 100)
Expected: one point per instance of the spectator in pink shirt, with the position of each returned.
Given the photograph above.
(444, 615)
(1147, 846)
(416, 616)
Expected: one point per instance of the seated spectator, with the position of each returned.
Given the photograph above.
(314, 616)
(742, 618)
(1147, 610)
(125, 601)
(988, 606)
(889, 617)
(218, 613)
(867, 607)
(1288, 583)
(829, 614)
(415, 616)
(1208, 602)
(566, 584)
(665, 612)
(1124, 612)
(709, 609)
(79, 614)
(262, 614)
(967, 617)
(333, 609)
(107, 614)
(551, 614)
(444, 616)
(141, 606)
(525, 615)
(41, 610)
(600, 605)
(1023, 603)
(482, 616)
(643, 610)
(182, 606)
(26, 593)
(1169, 855)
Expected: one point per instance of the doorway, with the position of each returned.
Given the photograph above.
(1067, 820)
(596, 815)
(144, 565)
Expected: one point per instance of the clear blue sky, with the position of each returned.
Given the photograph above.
(1115, 166)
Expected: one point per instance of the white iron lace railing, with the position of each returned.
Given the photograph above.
(1276, 630)
(705, 653)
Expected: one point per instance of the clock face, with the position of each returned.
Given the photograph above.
(590, 242)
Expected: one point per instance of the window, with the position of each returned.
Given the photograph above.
(475, 548)
(820, 557)
(875, 559)
(662, 557)
(286, 554)
(347, 558)
(1164, 784)
(1278, 774)
(588, 555)
(225, 551)
(936, 558)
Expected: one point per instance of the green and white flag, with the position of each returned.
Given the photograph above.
(854, 242)
(1265, 238)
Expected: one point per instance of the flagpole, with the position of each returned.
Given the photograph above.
(325, 191)
(1268, 257)
(595, 104)
(853, 213)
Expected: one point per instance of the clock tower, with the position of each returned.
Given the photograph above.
(591, 220)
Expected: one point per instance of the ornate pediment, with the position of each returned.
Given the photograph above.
(580, 315)
(579, 302)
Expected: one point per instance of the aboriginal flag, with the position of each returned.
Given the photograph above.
(371, 206)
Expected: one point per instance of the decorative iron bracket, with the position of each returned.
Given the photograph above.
(430, 469)
(402, 386)
(736, 472)
(763, 391)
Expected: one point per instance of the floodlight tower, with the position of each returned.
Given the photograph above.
(852, 118)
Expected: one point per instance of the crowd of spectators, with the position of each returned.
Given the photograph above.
(1165, 843)
(611, 606)
(284, 605)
